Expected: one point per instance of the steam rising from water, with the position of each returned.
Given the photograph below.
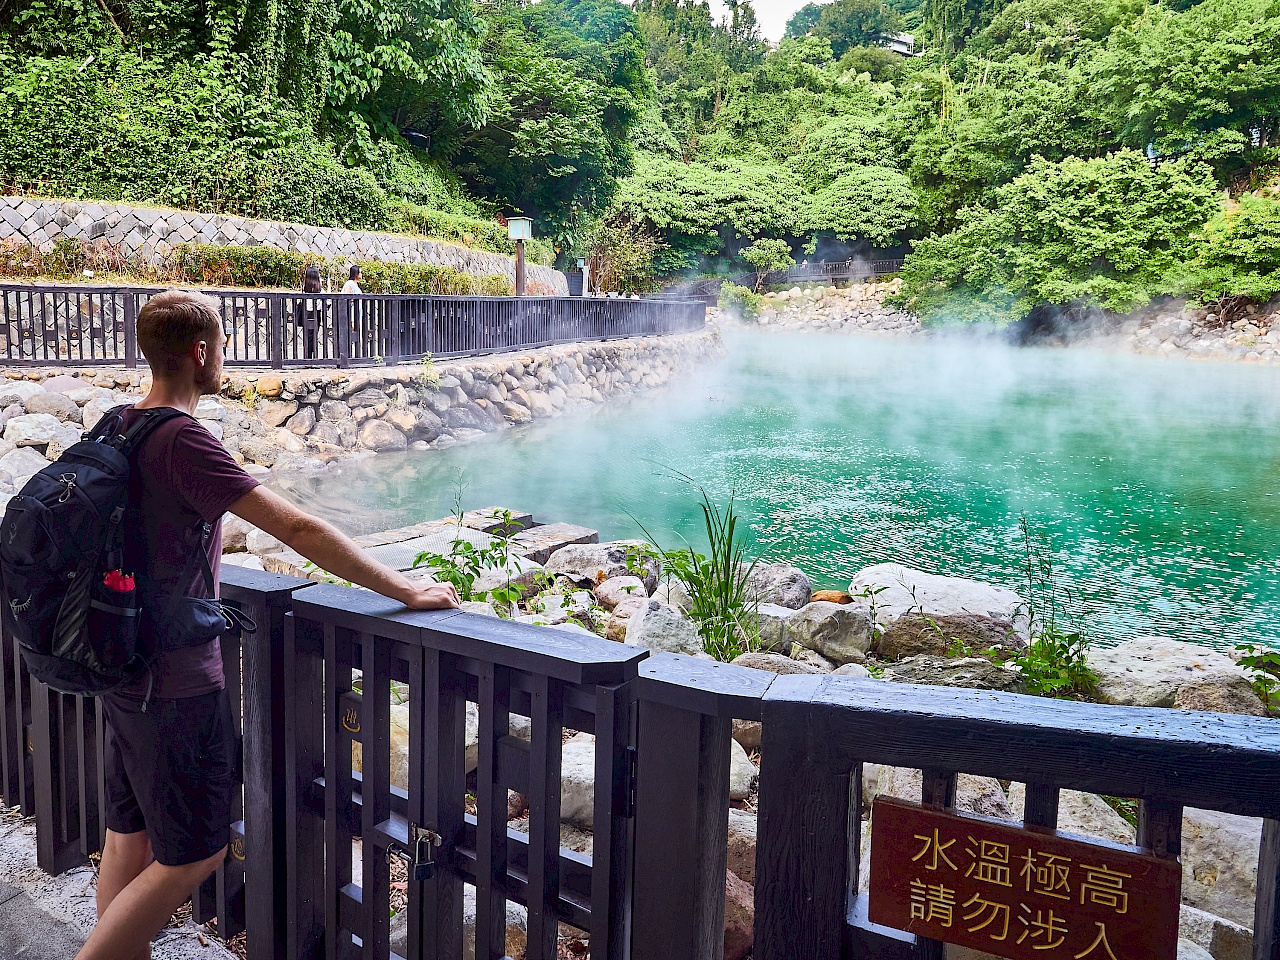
(1154, 478)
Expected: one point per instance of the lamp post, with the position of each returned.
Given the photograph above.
(586, 276)
(520, 229)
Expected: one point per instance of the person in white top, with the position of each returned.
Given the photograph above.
(353, 283)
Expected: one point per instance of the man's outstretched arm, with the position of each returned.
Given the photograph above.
(331, 550)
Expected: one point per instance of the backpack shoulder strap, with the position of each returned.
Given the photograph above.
(111, 429)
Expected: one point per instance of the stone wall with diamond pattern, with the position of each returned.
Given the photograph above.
(151, 232)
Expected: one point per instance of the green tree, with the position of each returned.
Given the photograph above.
(570, 86)
(1238, 256)
(1201, 81)
(1110, 231)
(804, 20)
(768, 255)
(875, 204)
(856, 23)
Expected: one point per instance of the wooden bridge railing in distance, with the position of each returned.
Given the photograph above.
(80, 325)
(818, 731)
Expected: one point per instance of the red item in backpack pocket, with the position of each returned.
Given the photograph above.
(118, 581)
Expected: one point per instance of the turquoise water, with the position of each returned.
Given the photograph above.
(1155, 480)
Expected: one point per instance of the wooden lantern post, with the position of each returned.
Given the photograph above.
(520, 229)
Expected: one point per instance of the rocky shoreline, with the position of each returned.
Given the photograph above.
(1171, 327)
(306, 419)
(894, 624)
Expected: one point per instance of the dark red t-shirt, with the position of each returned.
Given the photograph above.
(185, 476)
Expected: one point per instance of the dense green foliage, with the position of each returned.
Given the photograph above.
(206, 265)
(1036, 152)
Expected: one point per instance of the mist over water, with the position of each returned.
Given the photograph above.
(1154, 479)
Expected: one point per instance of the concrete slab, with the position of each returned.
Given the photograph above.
(400, 556)
(28, 933)
(7, 892)
(540, 542)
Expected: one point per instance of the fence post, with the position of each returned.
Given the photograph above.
(275, 328)
(130, 328)
(802, 862)
(682, 804)
(344, 314)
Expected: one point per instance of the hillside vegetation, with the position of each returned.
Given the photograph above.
(1037, 152)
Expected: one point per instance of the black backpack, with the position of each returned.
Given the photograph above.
(77, 613)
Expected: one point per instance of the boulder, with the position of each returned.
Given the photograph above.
(334, 411)
(1220, 863)
(519, 572)
(468, 416)
(739, 917)
(779, 583)
(747, 733)
(66, 437)
(899, 590)
(742, 772)
(839, 632)
(275, 412)
(851, 670)
(302, 422)
(210, 409)
(269, 386)
(662, 628)
(1082, 813)
(17, 391)
(609, 593)
(1220, 694)
(55, 404)
(674, 592)
(813, 659)
(616, 627)
(587, 564)
(774, 663)
(22, 462)
(742, 844)
(1149, 671)
(94, 410)
(381, 437)
(235, 533)
(517, 927)
(1222, 939)
(973, 672)
(577, 780)
(32, 429)
(832, 596)
(326, 432)
(259, 450)
(773, 626)
(981, 795)
(1190, 950)
(910, 635)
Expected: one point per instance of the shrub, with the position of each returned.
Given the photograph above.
(1110, 231)
(1239, 256)
(746, 303)
(768, 255)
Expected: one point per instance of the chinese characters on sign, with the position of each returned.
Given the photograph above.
(1018, 892)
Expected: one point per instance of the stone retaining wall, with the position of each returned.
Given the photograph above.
(304, 419)
(151, 232)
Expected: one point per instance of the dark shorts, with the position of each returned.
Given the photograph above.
(171, 771)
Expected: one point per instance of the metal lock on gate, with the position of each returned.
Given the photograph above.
(422, 865)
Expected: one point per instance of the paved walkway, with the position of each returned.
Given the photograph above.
(48, 918)
(29, 933)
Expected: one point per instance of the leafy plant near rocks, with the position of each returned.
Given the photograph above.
(1056, 661)
(1265, 664)
(465, 562)
(720, 602)
(746, 303)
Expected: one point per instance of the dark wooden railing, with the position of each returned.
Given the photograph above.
(76, 325)
(653, 888)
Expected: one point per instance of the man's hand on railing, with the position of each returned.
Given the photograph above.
(433, 596)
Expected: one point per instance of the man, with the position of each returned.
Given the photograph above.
(169, 761)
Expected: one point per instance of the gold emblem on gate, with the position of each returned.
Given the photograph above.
(237, 848)
(351, 720)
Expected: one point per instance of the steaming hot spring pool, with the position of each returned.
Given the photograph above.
(1156, 480)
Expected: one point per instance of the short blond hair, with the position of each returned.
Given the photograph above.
(172, 322)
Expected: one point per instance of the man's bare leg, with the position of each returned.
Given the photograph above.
(124, 856)
(143, 907)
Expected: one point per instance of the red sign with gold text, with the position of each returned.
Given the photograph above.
(1021, 892)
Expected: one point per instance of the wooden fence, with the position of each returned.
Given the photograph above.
(77, 325)
(654, 887)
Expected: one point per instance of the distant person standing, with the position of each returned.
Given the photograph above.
(312, 311)
(353, 282)
(356, 314)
